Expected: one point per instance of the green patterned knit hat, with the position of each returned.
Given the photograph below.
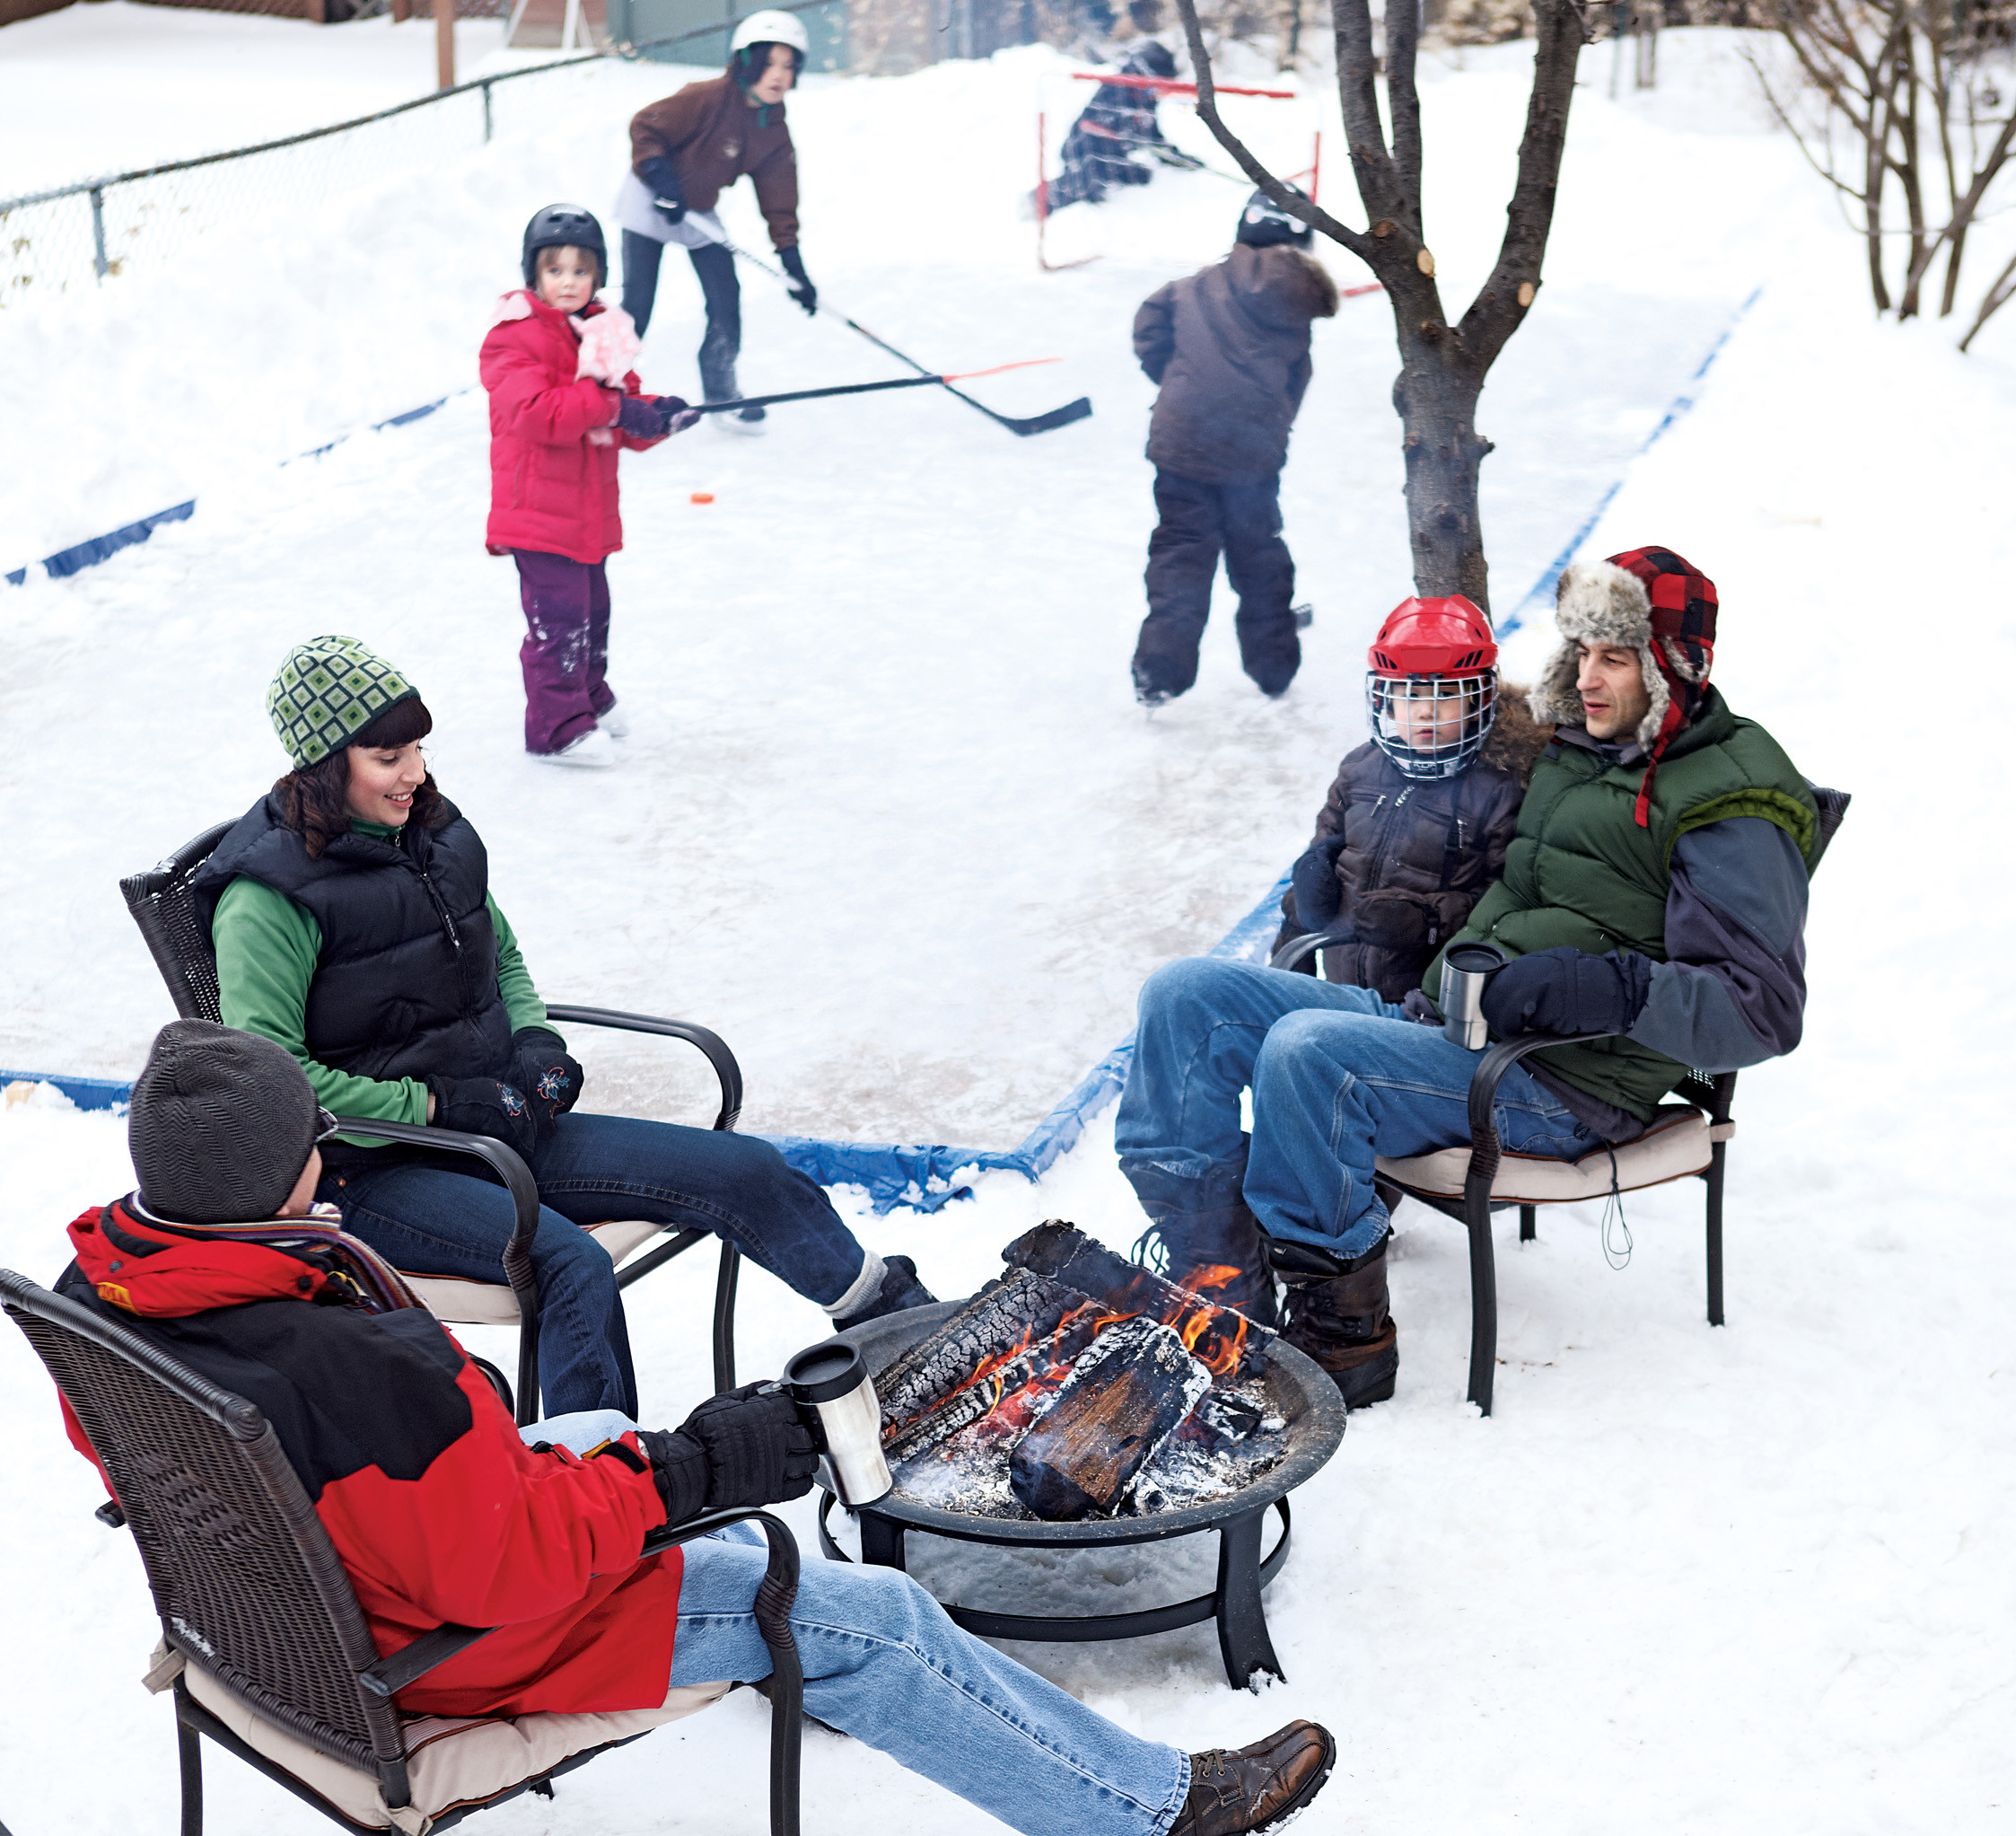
(326, 692)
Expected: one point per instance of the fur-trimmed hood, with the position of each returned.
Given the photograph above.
(1599, 603)
(1516, 739)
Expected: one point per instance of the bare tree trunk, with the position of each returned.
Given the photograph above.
(1442, 366)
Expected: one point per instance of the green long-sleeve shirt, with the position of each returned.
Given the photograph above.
(268, 952)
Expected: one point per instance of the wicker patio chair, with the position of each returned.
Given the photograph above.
(179, 940)
(1689, 1138)
(262, 1640)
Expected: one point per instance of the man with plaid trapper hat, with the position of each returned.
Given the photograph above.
(1654, 892)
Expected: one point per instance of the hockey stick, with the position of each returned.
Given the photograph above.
(1023, 425)
(721, 408)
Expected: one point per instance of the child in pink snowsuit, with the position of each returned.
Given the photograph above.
(563, 404)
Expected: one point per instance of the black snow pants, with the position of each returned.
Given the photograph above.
(722, 342)
(1241, 519)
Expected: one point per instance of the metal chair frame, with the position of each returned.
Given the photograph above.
(162, 907)
(249, 1587)
(1713, 1092)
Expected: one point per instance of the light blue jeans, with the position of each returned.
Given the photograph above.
(1339, 1076)
(883, 1663)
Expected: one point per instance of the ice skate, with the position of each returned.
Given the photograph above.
(592, 750)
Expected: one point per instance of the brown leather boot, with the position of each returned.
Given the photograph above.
(1257, 1787)
(1344, 1325)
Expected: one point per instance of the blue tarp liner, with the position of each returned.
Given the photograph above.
(101, 547)
(923, 1177)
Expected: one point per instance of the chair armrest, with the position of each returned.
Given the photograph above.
(412, 1662)
(712, 1044)
(1484, 1080)
(1296, 949)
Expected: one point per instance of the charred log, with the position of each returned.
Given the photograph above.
(909, 1440)
(1225, 1341)
(1123, 1398)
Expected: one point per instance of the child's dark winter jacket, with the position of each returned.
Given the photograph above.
(1416, 856)
(552, 480)
(1230, 349)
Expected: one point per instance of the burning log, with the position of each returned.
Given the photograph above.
(1013, 1315)
(995, 1385)
(1123, 1398)
(1226, 1342)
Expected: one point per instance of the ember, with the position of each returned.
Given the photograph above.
(1078, 1385)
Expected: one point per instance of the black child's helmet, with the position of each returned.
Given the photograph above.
(1263, 223)
(565, 226)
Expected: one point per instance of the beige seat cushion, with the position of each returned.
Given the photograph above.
(450, 1760)
(1676, 1143)
(491, 1303)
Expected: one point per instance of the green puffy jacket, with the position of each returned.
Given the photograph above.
(1581, 872)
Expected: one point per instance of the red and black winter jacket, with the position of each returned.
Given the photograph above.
(440, 1512)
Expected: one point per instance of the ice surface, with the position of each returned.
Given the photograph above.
(898, 831)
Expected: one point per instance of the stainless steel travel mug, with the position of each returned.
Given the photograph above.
(1466, 969)
(830, 1385)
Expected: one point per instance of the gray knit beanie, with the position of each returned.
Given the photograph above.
(221, 1126)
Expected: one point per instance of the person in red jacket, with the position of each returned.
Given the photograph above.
(442, 1511)
(563, 404)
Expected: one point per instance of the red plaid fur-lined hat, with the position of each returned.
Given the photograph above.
(1651, 600)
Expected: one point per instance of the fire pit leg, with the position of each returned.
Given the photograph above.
(881, 1542)
(1242, 1624)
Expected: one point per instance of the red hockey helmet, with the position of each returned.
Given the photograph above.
(1432, 686)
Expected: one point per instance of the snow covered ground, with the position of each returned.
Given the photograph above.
(894, 827)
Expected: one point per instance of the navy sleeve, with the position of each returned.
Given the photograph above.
(1732, 990)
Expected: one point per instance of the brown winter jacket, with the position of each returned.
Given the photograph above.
(1228, 347)
(713, 136)
(1417, 855)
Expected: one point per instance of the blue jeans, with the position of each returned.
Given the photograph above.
(883, 1663)
(424, 1216)
(1338, 1075)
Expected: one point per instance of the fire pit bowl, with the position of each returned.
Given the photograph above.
(1305, 1398)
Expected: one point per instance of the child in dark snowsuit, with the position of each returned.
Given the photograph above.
(1099, 150)
(1229, 347)
(563, 403)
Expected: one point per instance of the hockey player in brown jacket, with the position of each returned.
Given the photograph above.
(1229, 347)
(685, 151)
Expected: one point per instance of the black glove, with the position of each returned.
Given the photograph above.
(805, 292)
(641, 418)
(1566, 990)
(661, 180)
(745, 1447)
(1318, 894)
(680, 414)
(551, 1079)
(485, 1106)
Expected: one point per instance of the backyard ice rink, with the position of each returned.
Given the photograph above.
(893, 825)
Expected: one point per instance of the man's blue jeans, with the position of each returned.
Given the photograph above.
(1339, 1076)
(425, 1216)
(883, 1663)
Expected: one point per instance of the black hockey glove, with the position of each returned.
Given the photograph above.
(679, 415)
(745, 1447)
(805, 292)
(551, 1079)
(1566, 990)
(641, 418)
(1314, 877)
(661, 180)
(485, 1106)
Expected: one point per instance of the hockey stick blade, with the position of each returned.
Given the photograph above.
(1033, 424)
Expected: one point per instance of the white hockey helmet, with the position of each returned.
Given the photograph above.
(771, 27)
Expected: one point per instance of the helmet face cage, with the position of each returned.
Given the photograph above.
(1431, 726)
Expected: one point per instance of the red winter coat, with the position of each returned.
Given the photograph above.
(552, 488)
(439, 1512)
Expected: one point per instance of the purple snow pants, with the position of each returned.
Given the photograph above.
(565, 651)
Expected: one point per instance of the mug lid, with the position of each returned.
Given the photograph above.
(825, 1372)
(1471, 958)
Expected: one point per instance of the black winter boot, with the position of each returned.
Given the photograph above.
(1257, 1787)
(1215, 1254)
(1344, 1325)
(900, 1291)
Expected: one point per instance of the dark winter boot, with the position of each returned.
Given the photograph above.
(1269, 651)
(900, 1291)
(1344, 1325)
(1216, 1254)
(1256, 1788)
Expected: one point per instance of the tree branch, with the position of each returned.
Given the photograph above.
(1403, 103)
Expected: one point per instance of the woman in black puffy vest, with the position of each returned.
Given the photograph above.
(351, 914)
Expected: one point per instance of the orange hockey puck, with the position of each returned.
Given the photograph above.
(703, 496)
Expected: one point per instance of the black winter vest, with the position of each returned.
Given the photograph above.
(407, 982)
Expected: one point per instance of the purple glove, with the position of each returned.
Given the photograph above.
(679, 416)
(641, 418)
